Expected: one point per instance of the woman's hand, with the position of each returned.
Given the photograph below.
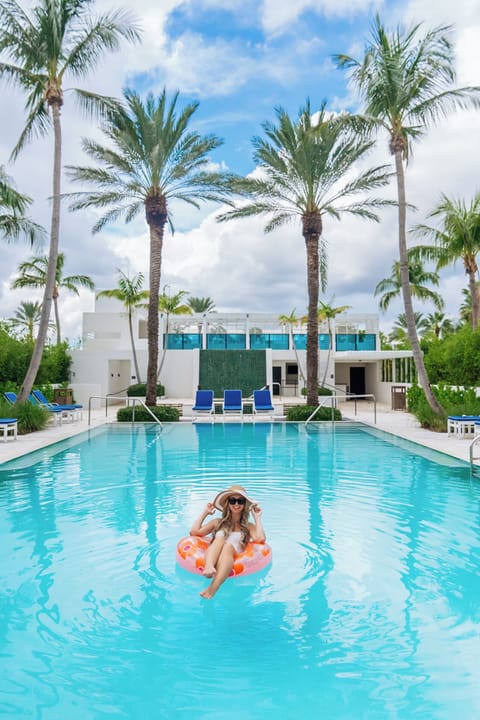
(256, 510)
(210, 509)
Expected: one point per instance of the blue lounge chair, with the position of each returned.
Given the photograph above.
(203, 404)
(57, 413)
(7, 426)
(262, 403)
(40, 398)
(232, 401)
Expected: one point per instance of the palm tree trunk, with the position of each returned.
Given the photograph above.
(299, 364)
(156, 219)
(311, 241)
(36, 359)
(406, 292)
(164, 351)
(57, 316)
(475, 298)
(330, 343)
(134, 352)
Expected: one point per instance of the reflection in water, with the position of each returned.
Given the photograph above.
(371, 602)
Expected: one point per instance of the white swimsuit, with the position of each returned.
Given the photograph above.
(234, 538)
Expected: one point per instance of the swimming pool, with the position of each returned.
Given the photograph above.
(371, 608)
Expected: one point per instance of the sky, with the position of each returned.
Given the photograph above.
(240, 60)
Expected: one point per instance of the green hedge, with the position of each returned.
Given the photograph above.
(454, 402)
(303, 412)
(140, 390)
(321, 391)
(164, 414)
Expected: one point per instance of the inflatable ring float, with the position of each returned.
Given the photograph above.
(191, 556)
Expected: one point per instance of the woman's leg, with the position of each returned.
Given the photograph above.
(224, 568)
(212, 554)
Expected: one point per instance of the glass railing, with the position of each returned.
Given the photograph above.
(262, 341)
(226, 341)
(274, 341)
(301, 341)
(355, 341)
(183, 341)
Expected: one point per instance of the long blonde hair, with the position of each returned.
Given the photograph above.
(226, 522)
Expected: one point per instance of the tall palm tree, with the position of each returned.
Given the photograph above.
(33, 273)
(27, 317)
(391, 287)
(171, 305)
(201, 304)
(13, 222)
(291, 321)
(129, 292)
(405, 79)
(152, 158)
(307, 174)
(57, 39)
(327, 312)
(458, 238)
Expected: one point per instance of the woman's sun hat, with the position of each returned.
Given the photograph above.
(221, 498)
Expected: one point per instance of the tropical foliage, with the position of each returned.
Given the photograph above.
(391, 287)
(153, 158)
(13, 205)
(56, 40)
(405, 79)
(201, 304)
(307, 173)
(457, 238)
(27, 317)
(33, 273)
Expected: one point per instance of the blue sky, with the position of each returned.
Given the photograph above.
(240, 60)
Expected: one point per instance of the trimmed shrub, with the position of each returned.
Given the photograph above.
(30, 417)
(303, 412)
(140, 390)
(163, 413)
(321, 391)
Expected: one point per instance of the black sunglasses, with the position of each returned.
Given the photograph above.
(236, 501)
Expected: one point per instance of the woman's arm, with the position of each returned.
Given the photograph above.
(200, 530)
(257, 533)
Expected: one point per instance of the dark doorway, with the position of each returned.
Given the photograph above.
(357, 380)
(276, 379)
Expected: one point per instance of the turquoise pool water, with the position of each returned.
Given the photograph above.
(371, 608)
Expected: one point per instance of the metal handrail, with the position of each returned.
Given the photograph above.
(471, 456)
(121, 397)
(347, 397)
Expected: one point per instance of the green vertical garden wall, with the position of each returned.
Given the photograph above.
(245, 370)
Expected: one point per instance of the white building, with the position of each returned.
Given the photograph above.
(233, 350)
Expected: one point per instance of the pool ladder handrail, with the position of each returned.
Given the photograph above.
(473, 468)
(348, 396)
(132, 400)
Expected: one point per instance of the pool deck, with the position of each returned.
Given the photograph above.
(398, 423)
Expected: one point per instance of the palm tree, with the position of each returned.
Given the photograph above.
(59, 38)
(171, 305)
(457, 239)
(405, 79)
(399, 332)
(13, 223)
(439, 325)
(155, 159)
(27, 317)
(129, 292)
(466, 306)
(34, 274)
(201, 304)
(306, 174)
(327, 312)
(291, 321)
(391, 287)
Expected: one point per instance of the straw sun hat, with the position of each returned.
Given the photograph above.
(221, 498)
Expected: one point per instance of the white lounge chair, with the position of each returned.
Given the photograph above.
(8, 426)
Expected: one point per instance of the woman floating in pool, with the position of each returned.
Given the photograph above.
(230, 533)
